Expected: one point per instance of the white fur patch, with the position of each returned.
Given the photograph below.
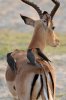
(45, 88)
(50, 92)
(36, 89)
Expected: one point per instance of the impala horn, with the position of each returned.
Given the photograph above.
(57, 4)
(35, 7)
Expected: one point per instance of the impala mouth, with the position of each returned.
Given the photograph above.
(56, 45)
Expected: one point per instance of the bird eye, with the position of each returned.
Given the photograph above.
(45, 21)
(53, 28)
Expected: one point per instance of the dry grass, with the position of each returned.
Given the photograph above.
(10, 40)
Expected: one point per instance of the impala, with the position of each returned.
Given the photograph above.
(24, 80)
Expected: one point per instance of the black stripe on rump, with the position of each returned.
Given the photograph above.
(33, 84)
(46, 85)
(11, 62)
(52, 81)
(41, 87)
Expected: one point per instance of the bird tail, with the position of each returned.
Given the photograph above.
(11, 62)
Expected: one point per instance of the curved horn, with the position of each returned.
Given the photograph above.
(35, 7)
(57, 4)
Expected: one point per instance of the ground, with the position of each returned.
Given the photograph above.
(59, 61)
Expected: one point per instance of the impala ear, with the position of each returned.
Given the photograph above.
(28, 20)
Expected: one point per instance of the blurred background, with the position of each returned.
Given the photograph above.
(14, 34)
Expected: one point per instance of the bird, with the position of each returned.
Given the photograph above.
(42, 55)
(31, 56)
(11, 62)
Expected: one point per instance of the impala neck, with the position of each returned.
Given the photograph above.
(39, 37)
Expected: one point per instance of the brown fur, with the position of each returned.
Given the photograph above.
(25, 72)
(38, 37)
(42, 36)
(22, 62)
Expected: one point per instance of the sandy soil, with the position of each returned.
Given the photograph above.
(60, 64)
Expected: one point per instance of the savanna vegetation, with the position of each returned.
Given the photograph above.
(11, 40)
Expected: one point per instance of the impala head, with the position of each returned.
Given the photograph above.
(51, 37)
(47, 20)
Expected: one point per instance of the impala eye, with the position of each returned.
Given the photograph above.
(53, 28)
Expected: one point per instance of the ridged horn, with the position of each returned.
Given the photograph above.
(35, 7)
(57, 4)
